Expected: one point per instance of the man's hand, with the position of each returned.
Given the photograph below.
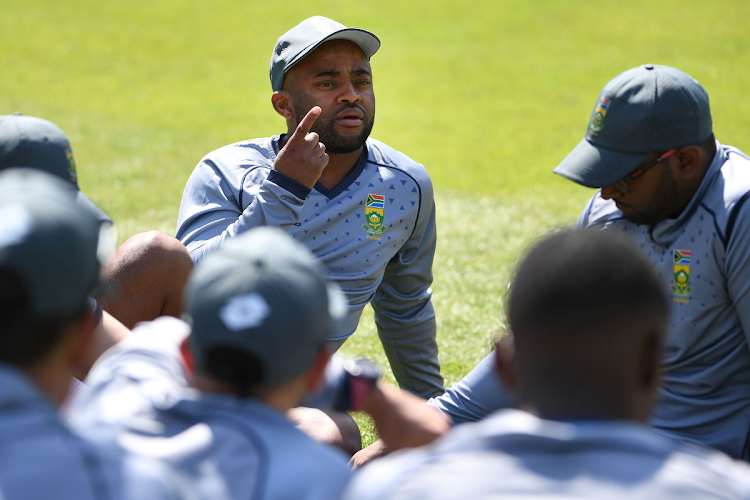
(303, 157)
(404, 420)
(375, 450)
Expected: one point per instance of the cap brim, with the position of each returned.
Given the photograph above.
(596, 167)
(366, 41)
(86, 204)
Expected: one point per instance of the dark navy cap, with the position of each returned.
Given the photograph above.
(299, 41)
(265, 294)
(48, 241)
(645, 110)
(27, 141)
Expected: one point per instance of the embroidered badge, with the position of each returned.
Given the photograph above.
(374, 215)
(597, 123)
(681, 287)
(71, 163)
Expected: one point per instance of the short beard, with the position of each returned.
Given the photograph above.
(334, 142)
(661, 207)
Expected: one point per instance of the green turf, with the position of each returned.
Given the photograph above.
(488, 94)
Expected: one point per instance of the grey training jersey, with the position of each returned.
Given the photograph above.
(39, 457)
(514, 455)
(178, 443)
(375, 233)
(703, 257)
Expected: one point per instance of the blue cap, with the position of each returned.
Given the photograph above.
(299, 41)
(645, 110)
(48, 241)
(27, 141)
(265, 294)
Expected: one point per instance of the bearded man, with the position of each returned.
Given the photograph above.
(364, 209)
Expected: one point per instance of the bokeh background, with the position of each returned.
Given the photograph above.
(489, 95)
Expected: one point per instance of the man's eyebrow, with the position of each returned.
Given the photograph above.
(333, 73)
(327, 73)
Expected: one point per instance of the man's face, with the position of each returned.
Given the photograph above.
(653, 196)
(337, 77)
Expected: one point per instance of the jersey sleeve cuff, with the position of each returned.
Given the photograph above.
(299, 190)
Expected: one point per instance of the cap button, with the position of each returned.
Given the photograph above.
(649, 66)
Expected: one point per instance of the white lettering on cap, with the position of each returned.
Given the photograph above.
(244, 311)
(16, 222)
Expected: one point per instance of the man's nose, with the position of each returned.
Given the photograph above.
(610, 192)
(349, 94)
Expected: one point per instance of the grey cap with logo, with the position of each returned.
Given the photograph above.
(27, 141)
(299, 41)
(265, 294)
(645, 110)
(48, 241)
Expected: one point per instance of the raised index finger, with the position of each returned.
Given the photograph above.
(303, 128)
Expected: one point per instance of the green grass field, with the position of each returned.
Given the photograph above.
(490, 95)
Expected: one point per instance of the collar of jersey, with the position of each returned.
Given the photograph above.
(341, 186)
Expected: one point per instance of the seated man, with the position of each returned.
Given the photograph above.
(589, 318)
(682, 197)
(48, 269)
(146, 274)
(204, 404)
(363, 208)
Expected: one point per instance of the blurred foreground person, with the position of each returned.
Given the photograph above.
(202, 406)
(588, 316)
(48, 269)
(145, 276)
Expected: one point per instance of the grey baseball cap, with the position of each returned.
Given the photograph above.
(645, 110)
(299, 41)
(27, 141)
(48, 241)
(265, 294)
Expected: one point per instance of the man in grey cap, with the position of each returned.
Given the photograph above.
(146, 274)
(681, 196)
(48, 268)
(204, 405)
(364, 209)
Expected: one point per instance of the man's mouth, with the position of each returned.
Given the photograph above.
(350, 117)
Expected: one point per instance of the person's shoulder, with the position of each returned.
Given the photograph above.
(381, 154)
(52, 463)
(709, 470)
(243, 154)
(598, 212)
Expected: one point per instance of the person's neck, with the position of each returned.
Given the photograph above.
(571, 407)
(280, 398)
(52, 377)
(339, 166)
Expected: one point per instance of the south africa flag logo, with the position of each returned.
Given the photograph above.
(375, 214)
(681, 287)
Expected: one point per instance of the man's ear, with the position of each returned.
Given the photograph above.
(505, 364)
(317, 371)
(283, 104)
(690, 160)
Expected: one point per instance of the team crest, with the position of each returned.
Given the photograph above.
(681, 287)
(597, 123)
(71, 163)
(375, 215)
